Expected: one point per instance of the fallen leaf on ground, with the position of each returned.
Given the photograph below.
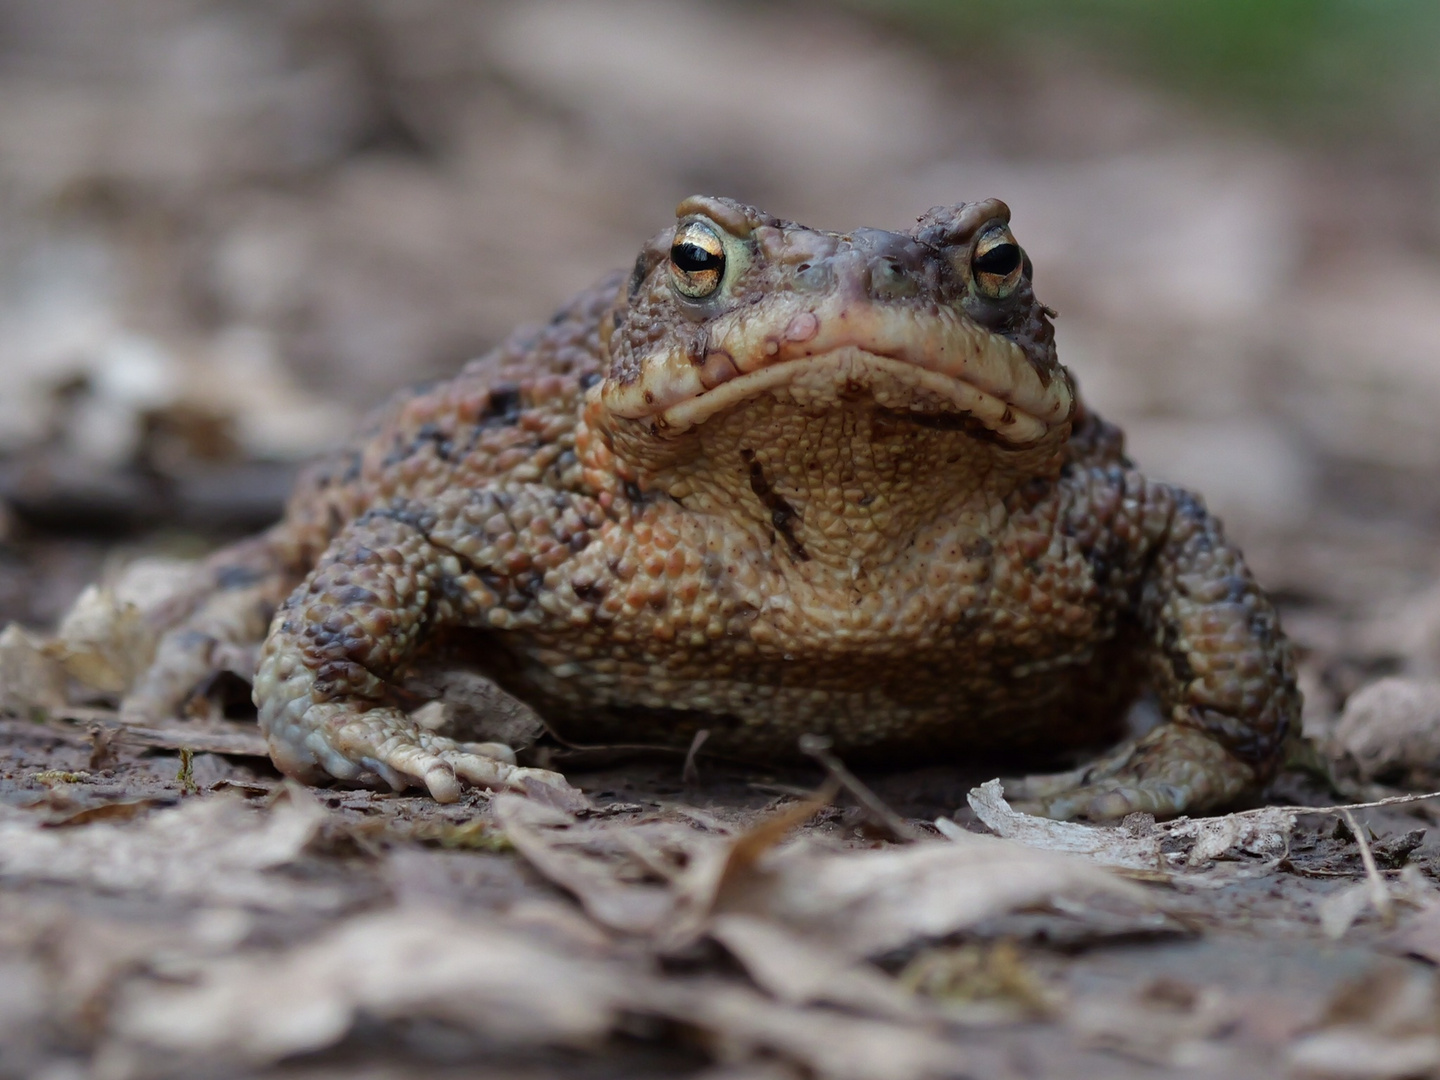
(1258, 839)
(394, 965)
(865, 903)
(1391, 728)
(103, 642)
(214, 848)
(801, 973)
(1381, 1026)
(1167, 1022)
(587, 860)
(30, 678)
(494, 979)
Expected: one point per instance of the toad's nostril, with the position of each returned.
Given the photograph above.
(888, 281)
(814, 277)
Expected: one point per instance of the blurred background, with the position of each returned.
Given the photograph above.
(228, 227)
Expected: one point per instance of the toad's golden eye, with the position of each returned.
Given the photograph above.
(997, 264)
(697, 260)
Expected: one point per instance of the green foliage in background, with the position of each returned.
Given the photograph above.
(1332, 67)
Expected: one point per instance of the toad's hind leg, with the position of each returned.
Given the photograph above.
(214, 624)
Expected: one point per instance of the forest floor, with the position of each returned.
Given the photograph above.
(226, 232)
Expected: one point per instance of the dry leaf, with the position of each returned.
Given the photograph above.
(1182, 845)
(214, 848)
(799, 972)
(833, 1045)
(1392, 726)
(495, 979)
(1110, 845)
(1381, 1026)
(475, 973)
(555, 844)
(1341, 908)
(864, 903)
(103, 642)
(30, 678)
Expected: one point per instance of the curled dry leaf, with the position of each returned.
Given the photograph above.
(1391, 728)
(30, 678)
(1259, 837)
(865, 903)
(103, 642)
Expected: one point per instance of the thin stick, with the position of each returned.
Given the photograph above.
(690, 774)
(1379, 894)
(1393, 800)
(818, 747)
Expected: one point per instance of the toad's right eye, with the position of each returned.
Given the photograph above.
(697, 260)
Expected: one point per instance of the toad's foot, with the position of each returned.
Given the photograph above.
(1172, 770)
(384, 745)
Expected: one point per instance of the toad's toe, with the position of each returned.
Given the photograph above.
(1173, 770)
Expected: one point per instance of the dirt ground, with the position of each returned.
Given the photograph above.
(226, 230)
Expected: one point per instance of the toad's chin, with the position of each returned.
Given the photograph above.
(927, 360)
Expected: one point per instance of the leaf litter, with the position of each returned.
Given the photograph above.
(756, 937)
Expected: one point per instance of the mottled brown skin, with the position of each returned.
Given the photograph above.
(781, 507)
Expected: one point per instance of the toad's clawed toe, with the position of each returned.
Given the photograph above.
(385, 746)
(1173, 770)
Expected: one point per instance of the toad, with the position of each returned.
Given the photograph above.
(771, 482)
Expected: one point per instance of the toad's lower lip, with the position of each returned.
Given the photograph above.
(844, 372)
(925, 360)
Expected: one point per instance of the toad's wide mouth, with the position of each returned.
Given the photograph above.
(930, 364)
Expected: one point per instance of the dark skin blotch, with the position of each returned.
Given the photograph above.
(504, 406)
(782, 515)
(431, 433)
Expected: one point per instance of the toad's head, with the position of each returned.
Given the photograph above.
(744, 338)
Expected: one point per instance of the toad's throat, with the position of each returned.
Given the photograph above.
(931, 362)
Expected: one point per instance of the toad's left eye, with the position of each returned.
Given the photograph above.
(697, 260)
(997, 264)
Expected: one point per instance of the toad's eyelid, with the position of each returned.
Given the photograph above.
(994, 236)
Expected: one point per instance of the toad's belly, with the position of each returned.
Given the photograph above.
(892, 712)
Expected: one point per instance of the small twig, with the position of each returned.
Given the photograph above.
(818, 747)
(1379, 894)
(690, 774)
(1393, 800)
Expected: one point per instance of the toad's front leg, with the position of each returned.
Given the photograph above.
(1220, 664)
(389, 579)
